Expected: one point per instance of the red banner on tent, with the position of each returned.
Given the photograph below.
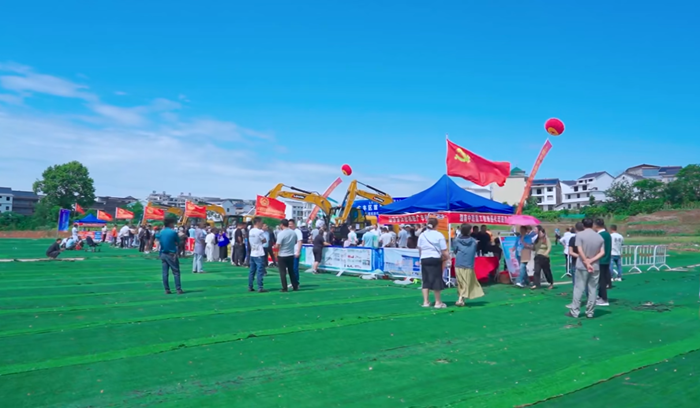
(452, 218)
(540, 158)
(193, 210)
(269, 207)
(101, 215)
(152, 213)
(123, 214)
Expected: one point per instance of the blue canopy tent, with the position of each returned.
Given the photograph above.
(90, 221)
(446, 195)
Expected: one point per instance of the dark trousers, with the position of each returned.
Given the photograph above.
(542, 264)
(238, 254)
(223, 252)
(142, 244)
(270, 252)
(53, 254)
(296, 269)
(286, 267)
(247, 254)
(125, 242)
(170, 261)
(604, 282)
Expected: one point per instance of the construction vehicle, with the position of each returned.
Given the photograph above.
(376, 195)
(226, 220)
(353, 216)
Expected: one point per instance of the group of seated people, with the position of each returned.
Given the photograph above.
(69, 244)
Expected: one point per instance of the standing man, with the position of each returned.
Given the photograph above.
(168, 255)
(124, 236)
(385, 240)
(200, 246)
(403, 236)
(238, 245)
(370, 239)
(564, 241)
(605, 280)
(191, 231)
(74, 232)
(269, 245)
(103, 238)
(256, 240)
(589, 248)
(297, 248)
(352, 237)
(286, 248)
(617, 241)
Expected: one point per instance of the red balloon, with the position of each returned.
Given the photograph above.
(346, 169)
(554, 126)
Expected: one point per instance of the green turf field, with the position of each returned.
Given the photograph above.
(101, 333)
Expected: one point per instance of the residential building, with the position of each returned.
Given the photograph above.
(628, 178)
(547, 192)
(162, 199)
(649, 171)
(6, 197)
(109, 204)
(298, 210)
(577, 193)
(512, 190)
(484, 192)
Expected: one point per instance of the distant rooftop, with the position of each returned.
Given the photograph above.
(569, 182)
(545, 182)
(517, 171)
(593, 175)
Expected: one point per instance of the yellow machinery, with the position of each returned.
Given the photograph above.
(375, 195)
(168, 210)
(346, 216)
(226, 220)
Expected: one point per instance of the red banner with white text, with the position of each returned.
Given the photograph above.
(123, 214)
(152, 213)
(193, 210)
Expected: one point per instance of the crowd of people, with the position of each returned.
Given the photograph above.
(589, 251)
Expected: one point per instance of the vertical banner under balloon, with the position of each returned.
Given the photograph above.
(63, 220)
(328, 192)
(540, 158)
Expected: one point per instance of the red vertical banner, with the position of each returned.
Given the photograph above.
(328, 192)
(540, 158)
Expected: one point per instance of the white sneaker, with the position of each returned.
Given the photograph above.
(520, 285)
(425, 305)
(601, 302)
(570, 306)
(440, 306)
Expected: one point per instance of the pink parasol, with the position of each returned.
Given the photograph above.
(523, 220)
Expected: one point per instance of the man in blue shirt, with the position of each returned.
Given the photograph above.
(168, 255)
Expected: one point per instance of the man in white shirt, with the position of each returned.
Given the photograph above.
(104, 233)
(616, 252)
(74, 232)
(370, 239)
(352, 237)
(403, 236)
(565, 242)
(297, 248)
(286, 245)
(385, 239)
(256, 240)
(124, 236)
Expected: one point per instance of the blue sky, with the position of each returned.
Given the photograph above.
(242, 95)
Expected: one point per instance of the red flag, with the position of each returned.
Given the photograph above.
(528, 186)
(193, 210)
(79, 209)
(269, 207)
(465, 164)
(152, 213)
(101, 215)
(123, 214)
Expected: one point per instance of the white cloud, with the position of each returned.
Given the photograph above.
(132, 150)
(12, 99)
(133, 161)
(119, 93)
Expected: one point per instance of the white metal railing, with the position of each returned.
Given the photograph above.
(651, 256)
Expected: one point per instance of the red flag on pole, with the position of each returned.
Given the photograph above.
(152, 213)
(270, 207)
(193, 210)
(79, 209)
(467, 165)
(123, 214)
(101, 215)
(545, 149)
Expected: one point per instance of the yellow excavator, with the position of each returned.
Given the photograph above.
(376, 195)
(352, 216)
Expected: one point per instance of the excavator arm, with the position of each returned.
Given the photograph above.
(375, 195)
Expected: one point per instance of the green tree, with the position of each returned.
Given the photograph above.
(63, 185)
(686, 187)
(620, 197)
(648, 189)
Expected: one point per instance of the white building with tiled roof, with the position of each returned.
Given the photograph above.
(577, 193)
